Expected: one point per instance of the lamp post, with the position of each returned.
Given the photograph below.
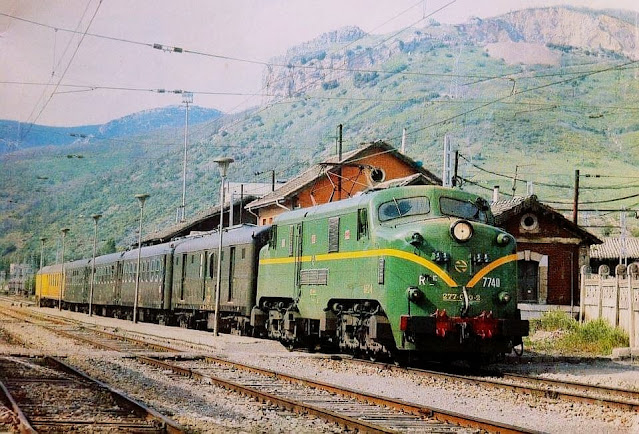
(95, 218)
(223, 163)
(62, 285)
(141, 199)
(187, 98)
(42, 241)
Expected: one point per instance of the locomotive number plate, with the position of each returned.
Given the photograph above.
(459, 297)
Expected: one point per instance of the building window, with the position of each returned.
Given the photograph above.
(529, 222)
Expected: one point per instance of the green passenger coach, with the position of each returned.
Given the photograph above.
(416, 268)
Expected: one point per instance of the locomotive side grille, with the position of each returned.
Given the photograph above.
(333, 234)
(317, 276)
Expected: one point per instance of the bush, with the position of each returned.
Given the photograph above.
(554, 320)
(596, 337)
(569, 337)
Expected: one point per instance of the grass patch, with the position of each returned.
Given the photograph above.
(557, 332)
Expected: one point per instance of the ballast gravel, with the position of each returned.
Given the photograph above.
(209, 409)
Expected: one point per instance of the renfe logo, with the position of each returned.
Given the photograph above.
(461, 266)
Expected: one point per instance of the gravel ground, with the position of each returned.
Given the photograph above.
(208, 409)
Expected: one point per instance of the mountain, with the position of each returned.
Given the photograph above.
(530, 36)
(15, 135)
(519, 104)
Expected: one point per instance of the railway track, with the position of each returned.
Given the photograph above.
(49, 396)
(351, 409)
(554, 389)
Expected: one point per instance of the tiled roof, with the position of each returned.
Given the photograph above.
(612, 248)
(504, 210)
(171, 231)
(305, 178)
(509, 206)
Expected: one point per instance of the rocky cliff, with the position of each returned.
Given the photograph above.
(530, 36)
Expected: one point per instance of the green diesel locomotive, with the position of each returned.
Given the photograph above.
(417, 268)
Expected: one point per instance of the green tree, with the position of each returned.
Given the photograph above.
(108, 247)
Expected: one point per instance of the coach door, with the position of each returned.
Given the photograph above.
(185, 258)
(204, 261)
(231, 276)
(117, 284)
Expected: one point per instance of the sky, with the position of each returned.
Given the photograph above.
(51, 76)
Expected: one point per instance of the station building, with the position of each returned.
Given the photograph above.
(551, 251)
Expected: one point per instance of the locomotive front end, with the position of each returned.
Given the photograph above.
(454, 287)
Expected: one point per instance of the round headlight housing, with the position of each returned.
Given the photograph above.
(503, 239)
(461, 231)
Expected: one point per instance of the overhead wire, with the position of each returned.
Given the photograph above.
(75, 52)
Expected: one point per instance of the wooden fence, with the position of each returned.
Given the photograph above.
(613, 298)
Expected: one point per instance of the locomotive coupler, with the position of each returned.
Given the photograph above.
(466, 303)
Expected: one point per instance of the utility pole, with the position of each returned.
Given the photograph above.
(447, 173)
(575, 204)
(403, 149)
(623, 254)
(339, 162)
(187, 98)
(454, 180)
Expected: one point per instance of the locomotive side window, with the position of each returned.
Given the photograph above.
(272, 242)
(362, 223)
(397, 208)
(463, 209)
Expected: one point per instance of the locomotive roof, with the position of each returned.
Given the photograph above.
(364, 199)
(237, 235)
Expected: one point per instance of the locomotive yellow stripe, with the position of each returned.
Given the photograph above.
(490, 267)
(367, 254)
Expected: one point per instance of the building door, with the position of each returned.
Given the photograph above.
(528, 281)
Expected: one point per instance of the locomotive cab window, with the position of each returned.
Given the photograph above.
(403, 207)
(464, 209)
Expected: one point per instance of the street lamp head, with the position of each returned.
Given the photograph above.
(142, 198)
(64, 231)
(96, 217)
(43, 239)
(223, 163)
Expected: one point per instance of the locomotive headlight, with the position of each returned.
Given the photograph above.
(414, 294)
(503, 239)
(504, 297)
(461, 230)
